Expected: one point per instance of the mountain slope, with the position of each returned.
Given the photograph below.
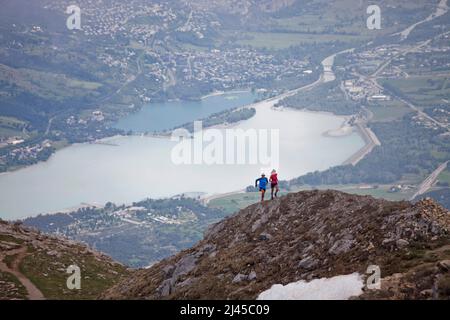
(303, 236)
(34, 266)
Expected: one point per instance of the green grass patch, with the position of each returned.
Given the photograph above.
(49, 274)
(9, 260)
(425, 90)
(48, 85)
(11, 288)
(8, 132)
(344, 16)
(445, 176)
(136, 45)
(382, 193)
(441, 155)
(232, 203)
(192, 47)
(9, 238)
(73, 83)
(275, 40)
(11, 121)
(389, 111)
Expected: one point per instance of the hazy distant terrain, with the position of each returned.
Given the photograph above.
(130, 53)
(60, 86)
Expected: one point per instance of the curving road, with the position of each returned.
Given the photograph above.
(441, 9)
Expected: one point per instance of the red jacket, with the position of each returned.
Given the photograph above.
(274, 178)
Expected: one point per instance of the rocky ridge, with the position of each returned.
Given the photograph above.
(304, 236)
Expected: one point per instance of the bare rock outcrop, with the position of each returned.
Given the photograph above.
(301, 236)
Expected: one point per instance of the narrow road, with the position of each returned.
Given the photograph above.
(441, 9)
(430, 180)
(188, 20)
(401, 53)
(49, 126)
(373, 78)
(420, 112)
(406, 51)
(189, 63)
(33, 292)
(172, 79)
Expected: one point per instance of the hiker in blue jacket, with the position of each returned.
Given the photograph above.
(263, 181)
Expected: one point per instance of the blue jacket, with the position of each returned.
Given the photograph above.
(263, 181)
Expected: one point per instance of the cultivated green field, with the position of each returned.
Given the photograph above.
(47, 85)
(275, 40)
(424, 90)
(389, 111)
(73, 83)
(445, 176)
(233, 203)
(10, 126)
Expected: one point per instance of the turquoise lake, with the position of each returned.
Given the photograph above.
(131, 168)
(167, 115)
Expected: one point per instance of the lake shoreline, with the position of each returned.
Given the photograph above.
(266, 103)
(327, 74)
(221, 93)
(371, 141)
(89, 164)
(342, 131)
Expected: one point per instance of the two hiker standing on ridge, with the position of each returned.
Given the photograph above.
(263, 181)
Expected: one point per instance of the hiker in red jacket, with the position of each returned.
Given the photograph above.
(274, 183)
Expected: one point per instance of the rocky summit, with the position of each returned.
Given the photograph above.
(305, 236)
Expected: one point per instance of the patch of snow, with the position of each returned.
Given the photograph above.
(336, 288)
